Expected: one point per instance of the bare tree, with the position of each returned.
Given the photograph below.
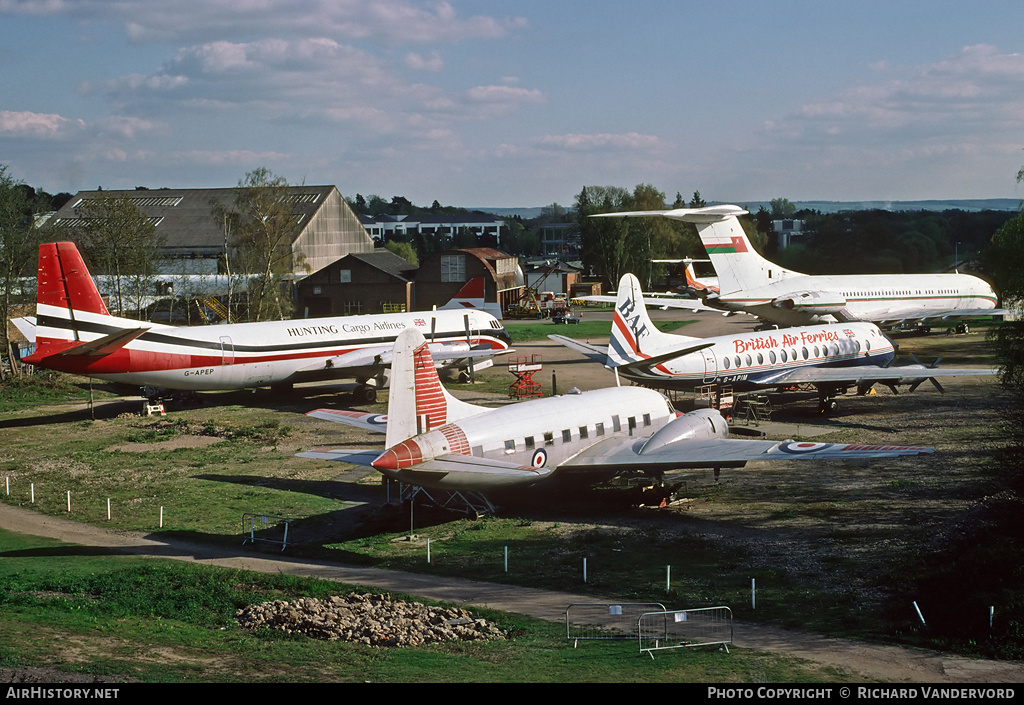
(121, 242)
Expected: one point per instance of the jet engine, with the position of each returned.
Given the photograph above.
(697, 425)
(811, 301)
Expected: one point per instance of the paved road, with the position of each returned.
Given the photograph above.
(871, 662)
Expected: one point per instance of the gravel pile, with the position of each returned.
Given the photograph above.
(374, 620)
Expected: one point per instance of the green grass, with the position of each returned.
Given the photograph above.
(529, 332)
(162, 621)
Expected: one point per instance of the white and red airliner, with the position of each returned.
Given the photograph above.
(438, 442)
(749, 283)
(831, 357)
(74, 333)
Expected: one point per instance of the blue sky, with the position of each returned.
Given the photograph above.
(489, 103)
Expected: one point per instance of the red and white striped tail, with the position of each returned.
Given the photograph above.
(417, 401)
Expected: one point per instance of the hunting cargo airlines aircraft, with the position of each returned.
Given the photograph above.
(74, 333)
(831, 357)
(750, 283)
(438, 442)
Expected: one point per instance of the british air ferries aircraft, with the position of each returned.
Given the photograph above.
(74, 333)
(436, 442)
(831, 357)
(750, 283)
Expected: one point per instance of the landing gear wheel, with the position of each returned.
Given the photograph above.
(366, 394)
(828, 406)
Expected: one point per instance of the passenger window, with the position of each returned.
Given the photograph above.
(549, 438)
(783, 353)
(528, 442)
(566, 436)
(771, 356)
(725, 362)
(647, 419)
(583, 432)
(616, 424)
(510, 446)
(599, 429)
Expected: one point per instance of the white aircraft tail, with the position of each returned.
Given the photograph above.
(737, 263)
(417, 401)
(634, 337)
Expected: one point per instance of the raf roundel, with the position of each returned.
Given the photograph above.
(540, 456)
(797, 448)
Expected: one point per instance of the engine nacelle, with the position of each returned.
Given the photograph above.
(811, 302)
(701, 425)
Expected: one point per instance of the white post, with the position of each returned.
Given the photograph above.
(8, 485)
(668, 579)
(991, 614)
(584, 570)
(428, 550)
(918, 609)
(108, 508)
(506, 559)
(753, 594)
(161, 517)
(33, 493)
(69, 501)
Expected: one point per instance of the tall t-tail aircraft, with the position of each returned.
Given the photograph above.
(438, 443)
(749, 282)
(74, 333)
(831, 357)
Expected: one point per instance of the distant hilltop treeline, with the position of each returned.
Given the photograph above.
(971, 205)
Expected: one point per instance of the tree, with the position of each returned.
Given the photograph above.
(19, 245)
(782, 208)
(261, 242)
(122, 243)
(404, 250)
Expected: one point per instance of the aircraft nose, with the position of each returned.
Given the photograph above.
(404, 455)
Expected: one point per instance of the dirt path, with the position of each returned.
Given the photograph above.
(873, 663)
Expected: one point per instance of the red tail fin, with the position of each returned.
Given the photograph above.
(64, 280)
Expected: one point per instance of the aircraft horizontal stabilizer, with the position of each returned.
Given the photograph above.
(26, 326)
(646, 364)
(710, 214)
(592, 352)
(354, 456)
(105, 345)
(359, 419)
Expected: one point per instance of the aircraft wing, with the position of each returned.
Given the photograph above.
(472, 473)
(359, 419)
(893, 318)
(864, 374)
(380, 356)
(628, 453)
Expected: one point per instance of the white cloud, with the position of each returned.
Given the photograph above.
(432, 62)
(630, 141)
(37, 125)
(186, 21)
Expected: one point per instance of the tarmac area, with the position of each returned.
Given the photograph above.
(563, 369)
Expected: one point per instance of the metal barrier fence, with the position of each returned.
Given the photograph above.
(265, 522)
(605, 620)
(681, 628)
